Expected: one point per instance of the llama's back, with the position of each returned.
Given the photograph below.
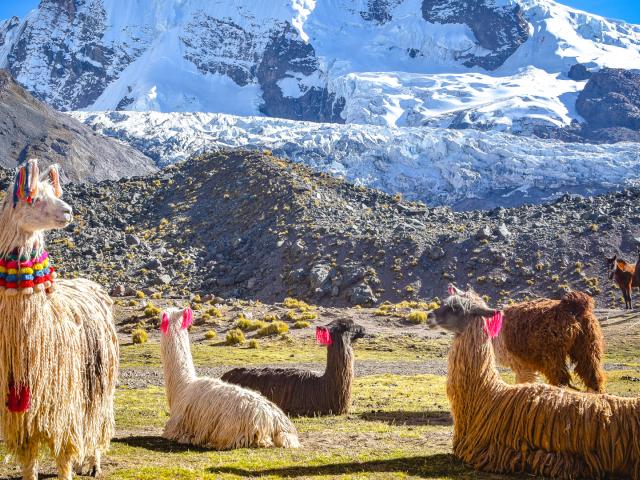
(536, 331)
(567, 434)
(296, 391)
(219, 415)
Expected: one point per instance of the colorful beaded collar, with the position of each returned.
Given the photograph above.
(26, 274)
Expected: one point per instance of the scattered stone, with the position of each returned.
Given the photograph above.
(319, 275)
(118, 291)
(503, 231)
(362, 295)
(131, 240)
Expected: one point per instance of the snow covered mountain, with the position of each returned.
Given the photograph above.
(490, 64)
(465, 169)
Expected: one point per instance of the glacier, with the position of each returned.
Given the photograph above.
(462, 168)
(380, 62)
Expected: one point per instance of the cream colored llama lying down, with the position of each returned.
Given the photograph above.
(209, 412)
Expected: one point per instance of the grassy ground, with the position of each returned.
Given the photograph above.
(400, 426)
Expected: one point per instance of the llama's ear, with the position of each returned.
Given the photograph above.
(52, 174)
(187, 318)
(453, 290)
(483, 311)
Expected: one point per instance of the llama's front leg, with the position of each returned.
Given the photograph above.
(64, 463)
(30, 467)
(96, 468)
(91, 465)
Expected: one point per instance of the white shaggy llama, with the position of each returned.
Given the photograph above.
(209, 412)
(58, 346)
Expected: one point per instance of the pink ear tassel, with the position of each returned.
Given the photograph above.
(164, 324)
(323, 337)
(187, 318)
(450, 290)
(492, 326)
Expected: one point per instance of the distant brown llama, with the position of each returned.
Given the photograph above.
(529, 428)
(539, 335)
(305, 393)
(625, 275)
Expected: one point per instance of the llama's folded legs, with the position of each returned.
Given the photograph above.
(525, 376)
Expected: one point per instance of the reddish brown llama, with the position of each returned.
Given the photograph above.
(538, 336)
(625, 275)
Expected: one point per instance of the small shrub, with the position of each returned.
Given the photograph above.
(273, 328)
(247, 325)
(594, 227)
(555, 278)
(133, 303)
(139, 336)
(253, 343)
(210, 335)
(156, 296)
(235, 337)
(296, 304)
(539, 266)
(214, 312)
(270, 317)
(416, 317)
(151, 310)
(197, 298)
(140, 294)
(301, 324)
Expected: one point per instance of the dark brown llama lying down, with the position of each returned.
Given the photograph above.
(540, 335)
(301, 392)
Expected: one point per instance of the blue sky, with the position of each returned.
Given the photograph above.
(628, 10)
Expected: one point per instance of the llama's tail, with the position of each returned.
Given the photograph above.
(588, 346)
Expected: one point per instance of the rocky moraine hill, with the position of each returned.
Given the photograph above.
(250, 225)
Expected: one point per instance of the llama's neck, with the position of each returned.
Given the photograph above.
(14, 239)
(338, 373)
(472, 370)
(177, 363)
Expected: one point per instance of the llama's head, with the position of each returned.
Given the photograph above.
(460, 308)
(342, 331)
(34, 199)
(174, 320)
(611, 265)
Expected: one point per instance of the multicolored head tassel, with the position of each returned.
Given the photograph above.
(25, 187)
(54, 177)
(323, 336)
(187, 318)
(493, 325)
(164, 324)
(450, 290)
